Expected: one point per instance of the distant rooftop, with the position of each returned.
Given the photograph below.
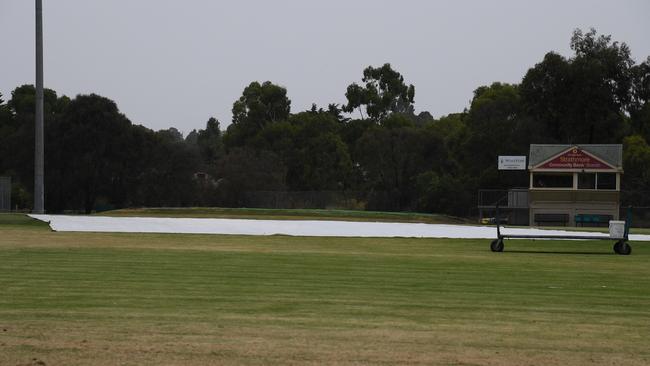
(611, 154)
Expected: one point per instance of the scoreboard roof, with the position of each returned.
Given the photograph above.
(587, 156)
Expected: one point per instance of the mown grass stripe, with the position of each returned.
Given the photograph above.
(418, 293)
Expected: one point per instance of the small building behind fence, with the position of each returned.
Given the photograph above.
(574, 184)
(513, 206)
(5, 193)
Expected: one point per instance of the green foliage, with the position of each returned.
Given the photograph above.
(5, 114)
(443, 192)
(636, 162)
(168, 177)
(259, 105)
(244, 170)
(640, 105)
(170, 135)
(192, 138)
(398, 159)
(322, 161)
(640, 83)
(94, 154)
(90, 140)
(544, 95)
(20, 197)
(209, 142)
(495, 126)
(17, 137)
(7, 128)
(582, 99)
(389, 158)
(310, 146)
(384, 92)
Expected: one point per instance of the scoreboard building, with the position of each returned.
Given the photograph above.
(574, 184)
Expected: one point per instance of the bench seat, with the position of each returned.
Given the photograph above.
(592, 219)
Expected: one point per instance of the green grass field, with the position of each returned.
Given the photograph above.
(149, 299)
(286, 214)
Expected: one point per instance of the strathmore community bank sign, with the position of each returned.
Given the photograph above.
(574, 158)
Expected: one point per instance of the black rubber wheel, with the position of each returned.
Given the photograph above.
(617, 247)
(497, 245)
(493, 245)
(625, 248)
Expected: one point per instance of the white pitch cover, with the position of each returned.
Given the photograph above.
(289, 227)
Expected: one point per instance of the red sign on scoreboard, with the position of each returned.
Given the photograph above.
(574, 159)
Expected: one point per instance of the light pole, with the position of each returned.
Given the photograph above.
(39, 154)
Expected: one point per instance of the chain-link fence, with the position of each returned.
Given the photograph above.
(5, 193)
(636, 206)
(513, 206)
(638, 216)
(349, 200)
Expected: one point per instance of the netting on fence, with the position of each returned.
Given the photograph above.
(348, 200)
(5, 193)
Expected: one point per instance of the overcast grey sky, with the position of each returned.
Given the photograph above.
(176, 63)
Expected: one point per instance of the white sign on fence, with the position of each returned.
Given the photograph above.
(512, 163)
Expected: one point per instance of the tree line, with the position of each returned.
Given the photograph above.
(375, 143)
